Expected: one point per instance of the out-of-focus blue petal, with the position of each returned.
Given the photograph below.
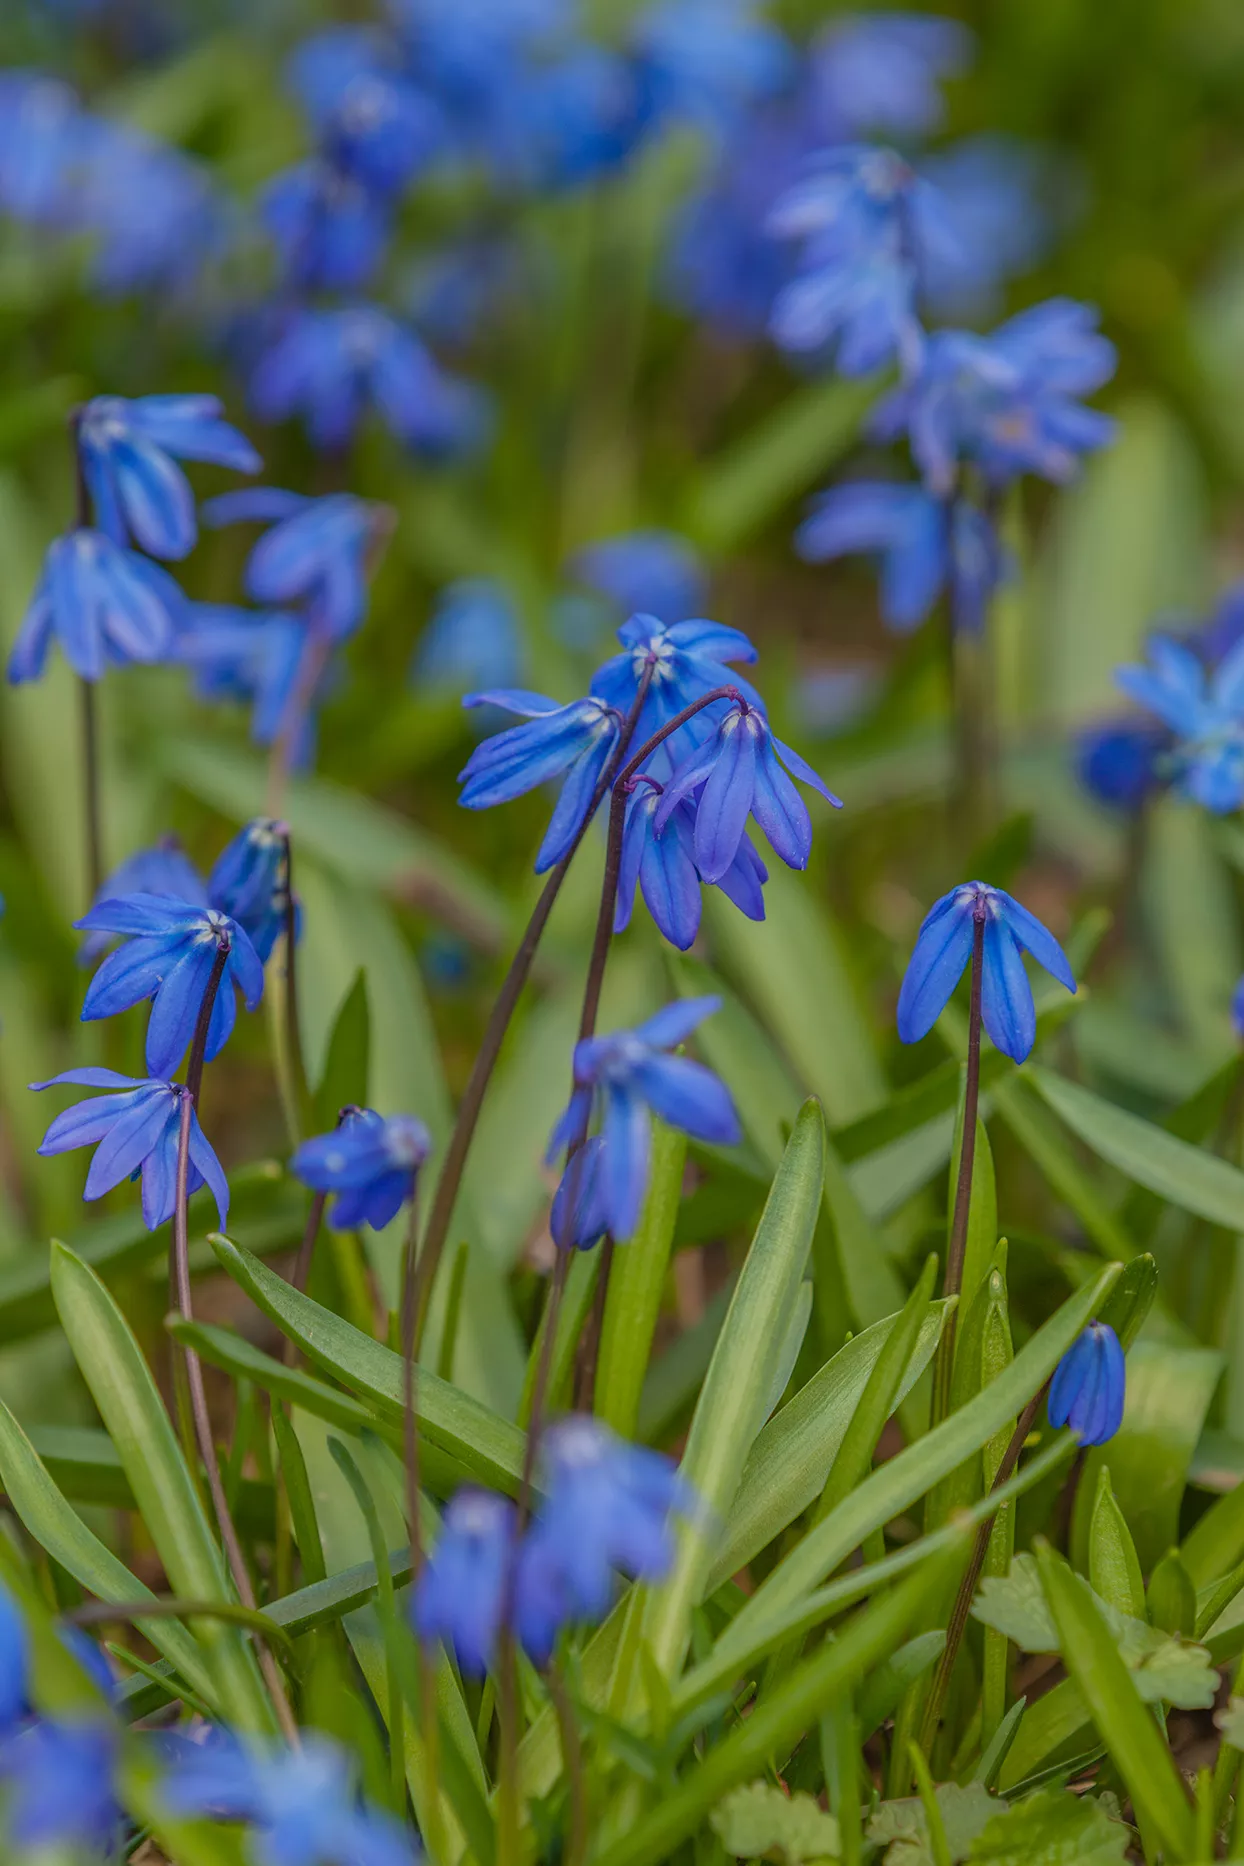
(689, 1096)
(627, 1136)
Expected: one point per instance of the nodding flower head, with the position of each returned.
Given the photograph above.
(1089, 1384)
(572, 742)
(370, 1161)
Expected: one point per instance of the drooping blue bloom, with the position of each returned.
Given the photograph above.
(319, 553)
(472, 640)
(61, 1780)
(652, 573)
(742, 771)
(459, 1595)
(571, 742)
(686, 661)
(164, 869)
(627, 1075)
(944, 949)
(723, 263)
(154, 211)
(466, 51)
(14, 1662)
(301, 1806)
(106, 606)
(135, 1131)
(581, 1181)
(330, 367)
(927, 546)
(372, 121)
(243, 654)
(1004, 200)
(1007, 402)
(169, 956)
(866, 225)
(250, 882)
(1204, 711)
(43, 138)
(881, 74)
(370, 1161)
(1223, 630)
(706, 61)
(1121, 761)
(608, 1507)
(330, 231)
(129, 450)
(661, 862)
(568, 121)
(1089, 1384)
(451, 294)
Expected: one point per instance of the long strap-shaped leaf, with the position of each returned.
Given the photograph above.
(132, 1411)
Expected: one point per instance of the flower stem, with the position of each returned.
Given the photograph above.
(412, 1272)
(575, 1847)
(953, 1281)
(312, 662)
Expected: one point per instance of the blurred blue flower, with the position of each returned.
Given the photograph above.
(467, 51)
(881, 74)
(250, 882)
(169, 955)
(43, 138)
(927, 546)
(706, 61)
(580, 1181)
(330, 367)
(319, 552)
(571, 742)
(472, 640)
(155, 212)
(1089, 1384)
(994, 193)
(653, 573)
(742, 771)
(135, 1131)
(370, 119)
(163, 869)
(1224, 629)
(627, 1074)
(1006, 402)
(1121, 760)
(61, 1786)
(105, 605)
(301, 1806)
(330, 231)
(570, 120)
(687, 660)
(129, 451)
(944, 948)
(867, 226)
(459, 1595)
(661, 862)
(453, 292)
(14, 1662)
(723, 264)
(1237, 1010)
(1204, 711)
(370, 1161)
(243, 654)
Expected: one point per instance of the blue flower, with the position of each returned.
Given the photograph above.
(706, 61)
(1007, 402)
(1237, 1010)
(459, 1595)
(61, 1783)
(250, 882)
(155, 212)
(927, 546)
(169, 957)
(301, 1805)
(372, 121)
(14, 1662)
(687, 661)
(1088, 1387)
(129, 451)
(571, 742)
(627, 1074)
(997, 194)
(1204, 711)
(661, 862)
(569, 120)
(164, 869)
(319, 552)
(723, 264)
(581, 1181)
(331, 366)
(472, 640)
(43, 136)
(881, 73)
(241, 654)
(867, 226)
(654, 573)
(370, 1161)
(329, 230)
(1121, 761)
(134, 1131)
(742, 771)
(106, 606)
(944, 948)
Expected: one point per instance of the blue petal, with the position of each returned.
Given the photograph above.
(1028, 931)
(175, 1011)
(86, 1123)
(1007, 1008)
(627, 1134)
(780, 810)
(131, 1139)
(574, 802)
(204, 1158)
(156, 498)
(126, 977)
(690, 1097)
(726, 800)
(671, 883)
(674, 1023)
(935, 967)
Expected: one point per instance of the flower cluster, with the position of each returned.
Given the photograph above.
(607, 1507)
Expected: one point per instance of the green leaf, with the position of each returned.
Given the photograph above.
(636, 1284)
(1046, 1144)
(902, 1827)
(1052, 1828)
(736, 1387)
(1215, 1544)
(133, 1413)
(343, 1082)
(82, 1462)
(1113, 1568)
(1124, 1722)
(872, 1285)
(1131, 1299)
(1172, 1597)
(488, 1446)
(760, 1822)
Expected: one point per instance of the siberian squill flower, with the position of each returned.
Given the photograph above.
(129, 451)
(626, 1075)
(247, 654)
(301, 1806)
(1237, 1010)
(14, 1662)
(1121, 761)
(61, 1778)
(741, 771)
(581, 1181)
(320, 553)
(687, 660)
(571, 742)
(135, 1131)
(329, 229)
(169, 956)
(106, 606)
(372, 121)
(1088, 1387)
(881, 74)
(163, 869)
(926, 545)
(473, 638)
(250, 882)
(944, 948)
(706, 61)
(459, 1595)
(370, 1161)
(661, 863)
(154, 210)
(1205, 712)
(652, 573)
(43, 139)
